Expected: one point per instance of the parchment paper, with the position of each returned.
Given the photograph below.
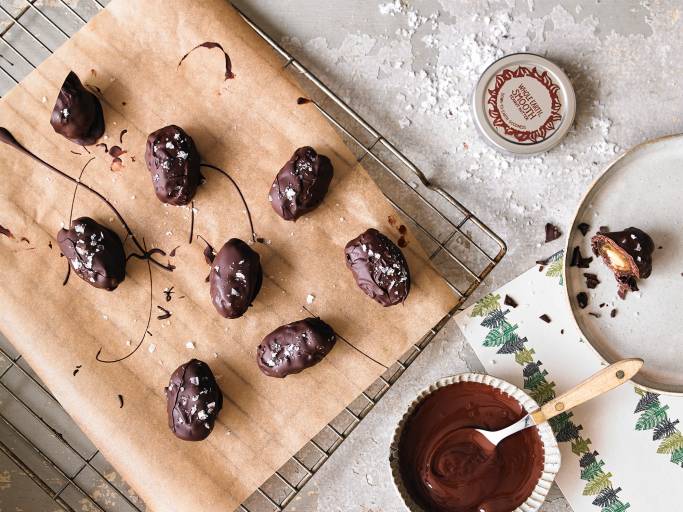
(249, 126)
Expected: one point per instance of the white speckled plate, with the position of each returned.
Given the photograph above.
(642, 188)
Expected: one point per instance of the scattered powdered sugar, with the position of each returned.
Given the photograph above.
(151, 348)
(310, 298)
(189, 344)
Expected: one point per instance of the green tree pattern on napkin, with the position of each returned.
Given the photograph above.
(503, 336)
(653, 416)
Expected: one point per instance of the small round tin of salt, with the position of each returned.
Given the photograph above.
(523, 104)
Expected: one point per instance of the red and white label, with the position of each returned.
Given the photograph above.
(524, 105)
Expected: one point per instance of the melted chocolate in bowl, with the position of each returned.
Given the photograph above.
(445, 466)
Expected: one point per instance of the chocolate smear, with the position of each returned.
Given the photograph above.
(5, 231)
(239, 192)
(583, 228)
(509, 301)
(552, 232)
(210, 45)
(77, 114)
(168, 292)
(582, 299)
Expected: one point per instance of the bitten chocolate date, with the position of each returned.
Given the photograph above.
(77, 114)
(173, 162)
(193, 401)
(379, 267)
(627, 253)
(301, 184)
(95, 253)
(294, 347)
(235, 278)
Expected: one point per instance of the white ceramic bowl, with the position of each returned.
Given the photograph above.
(551, 452)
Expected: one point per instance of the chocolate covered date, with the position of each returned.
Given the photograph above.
(301, 184)
(77, 114)
(173, 162)
(95, 253)
(193, 401)
(379, 267)
(235, 278)
(294, 347)
(627, 253)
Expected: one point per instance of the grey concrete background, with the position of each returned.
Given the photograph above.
(409, 67)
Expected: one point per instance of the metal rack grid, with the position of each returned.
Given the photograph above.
(461, 247)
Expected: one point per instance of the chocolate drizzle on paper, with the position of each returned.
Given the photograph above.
(228, 64)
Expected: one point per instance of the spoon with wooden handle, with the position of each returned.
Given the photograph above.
(606, 379)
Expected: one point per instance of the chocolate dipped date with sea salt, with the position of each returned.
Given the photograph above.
(193, 401)
(173, 162)
(379, 267)
(235, 278)
(294, 347)
(301, 184)
(95, 253)
(627, 253)
(77, 114)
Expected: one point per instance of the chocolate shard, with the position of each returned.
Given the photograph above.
(173, 162)
(545, 318)
(583, 228)
(578, 260)
(592, 280)
(509, 301)
(193, 401)
(235, 278)
(301, 184)
(77, 114)
(95, 253)
(627, 253)
(294, 347)
(379, 267)
(552, 232)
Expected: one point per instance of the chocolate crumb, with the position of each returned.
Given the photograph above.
(6, 232)
(592, 313)
(168, 292)
(660, 247)
(613, 313)
(552, 232)
(583, 228)
(582, 299)
(509, 301)
(165, 313)
(545, 318)
(120, 401)
(123, 103)
(603, 304)
(592, 280)
(78, 367)
(561, 331)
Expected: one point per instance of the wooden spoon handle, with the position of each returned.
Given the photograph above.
(606, 379)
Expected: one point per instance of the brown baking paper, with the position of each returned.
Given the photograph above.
(249, 126)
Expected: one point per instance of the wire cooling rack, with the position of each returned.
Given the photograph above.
(68, 468)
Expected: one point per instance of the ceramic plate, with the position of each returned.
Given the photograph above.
(642, 188)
